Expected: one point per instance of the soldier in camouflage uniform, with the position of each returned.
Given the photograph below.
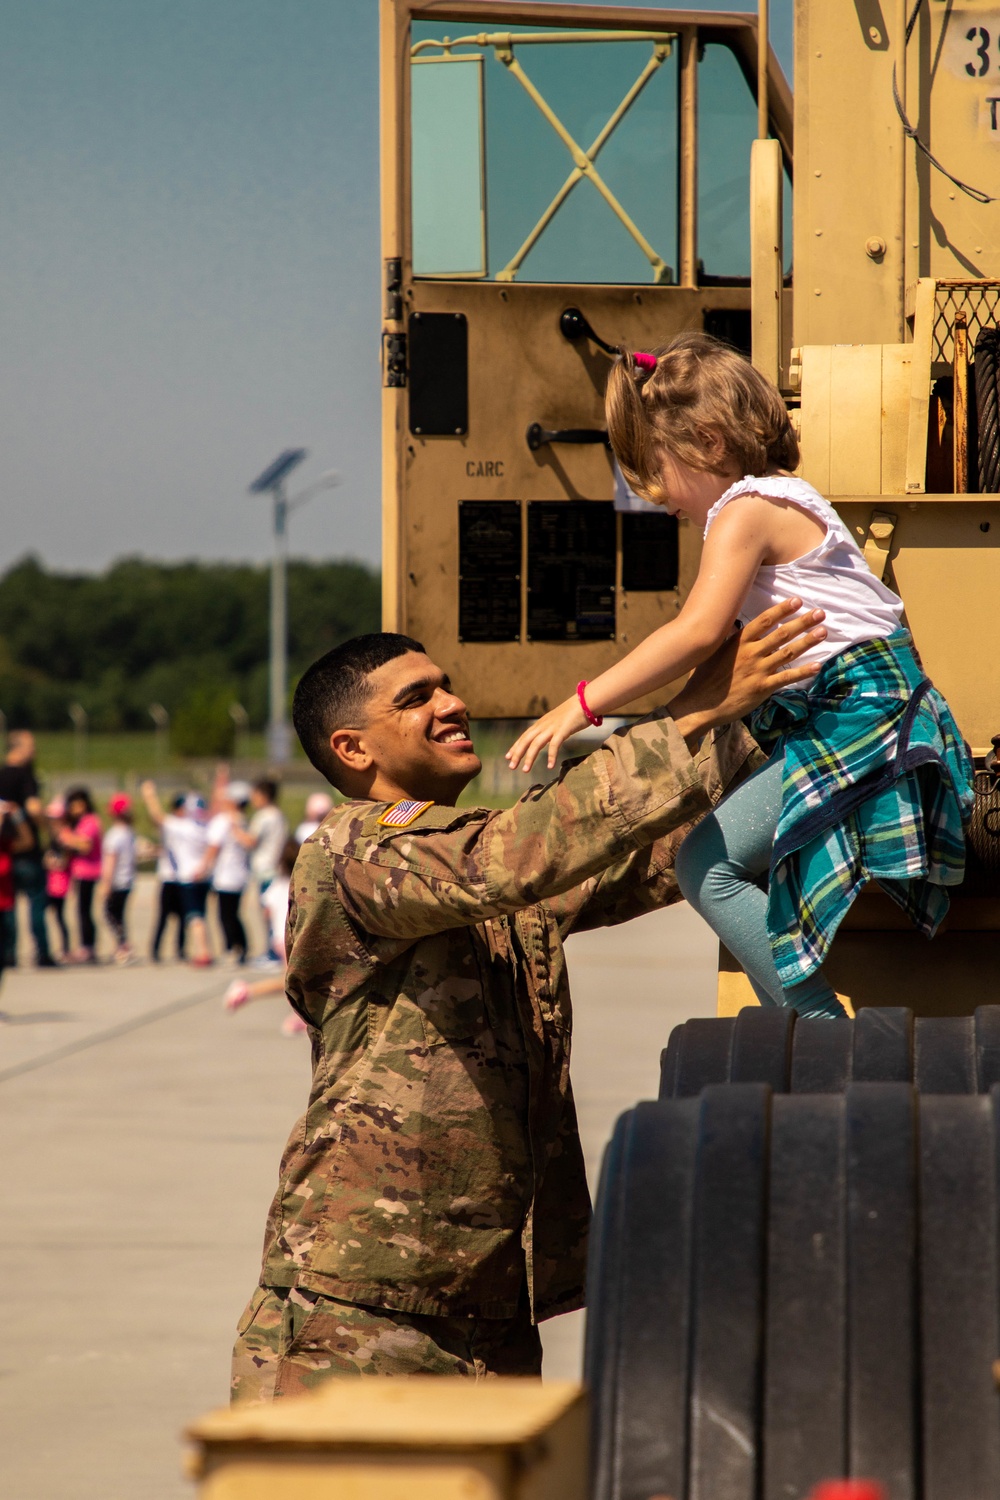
(432, 1207)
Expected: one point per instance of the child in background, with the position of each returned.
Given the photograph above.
(227, 862)
(318, 805)
(81, 835)
(869, 778)
(56, 862)
(170, 904)
(118, 872)
(275, 900)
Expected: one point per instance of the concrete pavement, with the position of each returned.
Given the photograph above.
(142, 1128)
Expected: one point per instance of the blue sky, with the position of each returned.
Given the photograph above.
(189, 279)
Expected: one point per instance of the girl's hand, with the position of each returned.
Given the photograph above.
(551, 729)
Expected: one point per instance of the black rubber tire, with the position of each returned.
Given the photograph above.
(959, 1265)
(944, 1055)
(881, 1326)
(987, 379)
(803, 1290)
(727, 1292)
(805, 1395)
(704, 1055)
(941, 1055)
(762, 1047)
(821, 1056)
(883, 1045)
(651, 1374)
(987, 1047)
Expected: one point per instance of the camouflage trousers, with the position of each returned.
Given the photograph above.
(291, 1341)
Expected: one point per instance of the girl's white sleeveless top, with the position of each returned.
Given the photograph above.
(833, 576)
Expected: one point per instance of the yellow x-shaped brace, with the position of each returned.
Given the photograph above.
(584, 160)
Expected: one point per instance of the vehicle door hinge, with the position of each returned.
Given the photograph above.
(393, 289)
(394, 358)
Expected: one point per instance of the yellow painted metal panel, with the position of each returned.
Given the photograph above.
(848, 167)
(896, 385)
(816, 416)
(418, 1439)
(956, 49)
(268, 1476)
(855, 418)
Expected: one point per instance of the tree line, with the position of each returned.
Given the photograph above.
(191, 636)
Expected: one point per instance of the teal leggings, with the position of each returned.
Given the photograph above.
(722, 870)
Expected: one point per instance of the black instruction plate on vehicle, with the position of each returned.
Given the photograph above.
(571, 570)
(489, 570)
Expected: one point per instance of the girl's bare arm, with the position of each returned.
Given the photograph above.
(730, 559)
(729, 563)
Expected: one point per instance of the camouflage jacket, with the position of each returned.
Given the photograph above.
(438, 1165)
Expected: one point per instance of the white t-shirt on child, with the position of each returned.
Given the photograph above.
(833, 576)
(120, 841)
(231, 870)
(275, 903)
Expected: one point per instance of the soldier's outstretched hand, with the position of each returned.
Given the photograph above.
(754, 663)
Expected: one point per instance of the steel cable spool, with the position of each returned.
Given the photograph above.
(940, 1055)
(808, 1287)
(982, 837)
(987, 374)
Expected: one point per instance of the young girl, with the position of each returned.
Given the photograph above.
(118, 863)
(869, 778)
(275, 903)
(81, 835)
(56, 861)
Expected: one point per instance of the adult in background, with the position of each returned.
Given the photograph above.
(266, 839)
(118, 862)
(81, 835)
(227, 863)
(185, 839)
(169, 896)
(318, 805)
(15, 838)
(432, 1206)
(19, 785)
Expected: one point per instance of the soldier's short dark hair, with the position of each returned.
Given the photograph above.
(334, 691)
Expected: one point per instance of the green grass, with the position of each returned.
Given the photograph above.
(133, 754)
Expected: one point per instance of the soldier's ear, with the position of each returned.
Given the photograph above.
(349, 750)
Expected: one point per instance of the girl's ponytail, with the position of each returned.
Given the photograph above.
(705, 404)
(630, 429)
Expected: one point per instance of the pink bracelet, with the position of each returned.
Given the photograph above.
(596, 719)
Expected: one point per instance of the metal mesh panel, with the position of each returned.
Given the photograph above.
(979, 300)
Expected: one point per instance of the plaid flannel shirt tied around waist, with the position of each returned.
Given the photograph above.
(877, 785)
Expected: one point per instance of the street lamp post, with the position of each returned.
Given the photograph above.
(272, 481)
(79, 715)
(241, 722)
(161, 719)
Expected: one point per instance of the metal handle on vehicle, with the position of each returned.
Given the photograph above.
(573, 325)
(538, 436)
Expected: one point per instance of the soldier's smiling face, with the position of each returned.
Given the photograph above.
(417, 731)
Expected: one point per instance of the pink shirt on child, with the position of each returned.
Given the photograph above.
(87, 865)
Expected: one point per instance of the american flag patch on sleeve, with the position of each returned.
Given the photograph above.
(402, 814)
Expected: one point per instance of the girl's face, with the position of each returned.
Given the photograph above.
(689, 493)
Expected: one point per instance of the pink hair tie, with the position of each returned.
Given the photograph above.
(645, 361)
